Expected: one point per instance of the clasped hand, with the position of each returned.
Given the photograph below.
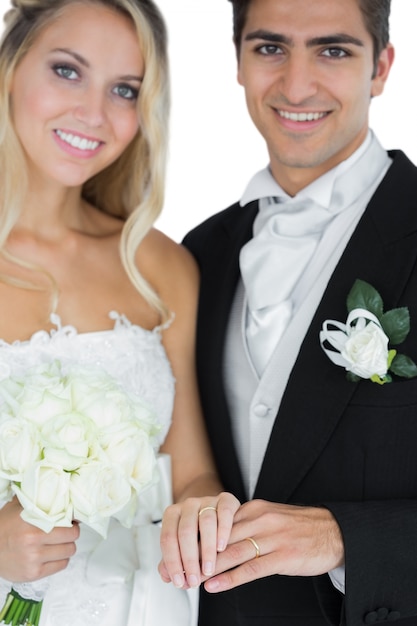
(28, 553)
(206, 540)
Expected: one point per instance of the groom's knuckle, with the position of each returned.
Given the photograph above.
(235, 550)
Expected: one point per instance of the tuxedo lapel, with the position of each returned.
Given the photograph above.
(382, 251)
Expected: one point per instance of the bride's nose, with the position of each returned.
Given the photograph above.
(90, 108)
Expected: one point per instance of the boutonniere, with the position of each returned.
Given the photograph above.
(363, 346)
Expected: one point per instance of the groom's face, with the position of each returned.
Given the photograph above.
(308, 71)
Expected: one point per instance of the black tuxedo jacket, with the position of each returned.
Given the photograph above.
(350, 447)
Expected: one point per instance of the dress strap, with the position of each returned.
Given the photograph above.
(165, 325)
(122, 321)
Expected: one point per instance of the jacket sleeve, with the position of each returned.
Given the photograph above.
(380, 540)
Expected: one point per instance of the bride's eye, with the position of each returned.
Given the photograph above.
(125, 91)
(65, 71)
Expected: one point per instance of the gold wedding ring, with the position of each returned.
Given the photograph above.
(206, 508)
(255, 545)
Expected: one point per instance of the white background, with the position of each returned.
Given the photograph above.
(214, 148)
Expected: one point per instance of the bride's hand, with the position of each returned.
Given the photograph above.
(28, 553)
(193, 532)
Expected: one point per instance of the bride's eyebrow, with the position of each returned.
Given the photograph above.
(78, 57)
(74, 54)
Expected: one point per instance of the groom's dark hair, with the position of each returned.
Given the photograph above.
(375, 14)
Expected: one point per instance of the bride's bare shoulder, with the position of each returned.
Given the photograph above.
(168, 266)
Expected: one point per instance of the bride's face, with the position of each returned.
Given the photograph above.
(74, 94)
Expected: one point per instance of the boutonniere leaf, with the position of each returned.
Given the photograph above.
(364, 296)
(364, 344)
(396, 324)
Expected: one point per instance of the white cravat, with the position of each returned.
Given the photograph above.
(287, 232)
(271, 264)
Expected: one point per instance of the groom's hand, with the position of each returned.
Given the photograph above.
(292, 541)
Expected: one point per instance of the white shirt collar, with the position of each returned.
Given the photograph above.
(264, 185)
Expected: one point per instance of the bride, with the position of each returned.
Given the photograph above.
(85, 278)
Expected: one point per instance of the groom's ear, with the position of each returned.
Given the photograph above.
(382, 70)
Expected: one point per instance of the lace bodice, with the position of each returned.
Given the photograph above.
(135, 357)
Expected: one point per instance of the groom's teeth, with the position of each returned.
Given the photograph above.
(301, 117)
(77, 142)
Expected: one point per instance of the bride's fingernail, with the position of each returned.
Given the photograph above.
(193, 581)
(208, 568)
(178, 580)
(221, 545)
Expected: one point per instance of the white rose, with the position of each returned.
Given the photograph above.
(366, 351)
(360, 345)
(145, 417)
(103, 407)
(99, 491)
(130, 446)
(4, 370)
(144, 469)
(44, 494)
(43, 393)
(6, 492)
(20, 446)
(10, 390)
(38, 405)
(97, 395)
(68, 440)
(24, 387)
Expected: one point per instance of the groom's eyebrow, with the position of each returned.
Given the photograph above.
(266, 35)
(324, 40)
(338, 38)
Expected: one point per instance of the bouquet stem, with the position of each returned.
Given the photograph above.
(19, 611)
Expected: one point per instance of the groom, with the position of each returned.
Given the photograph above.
(326, 467)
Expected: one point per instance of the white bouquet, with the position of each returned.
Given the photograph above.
(74, 445)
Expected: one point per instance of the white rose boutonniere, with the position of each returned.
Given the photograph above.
(363, 344)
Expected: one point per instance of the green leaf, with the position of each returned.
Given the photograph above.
(391, 356)
(364, 296)
(403, 366)
(396, 324)
(381, 381)
(353, 378)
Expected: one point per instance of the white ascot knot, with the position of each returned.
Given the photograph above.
(286, 237)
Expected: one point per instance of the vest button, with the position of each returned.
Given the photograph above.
(382, 614)
(393, 616)
(261, 410)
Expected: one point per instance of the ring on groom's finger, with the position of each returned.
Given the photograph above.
(207, 508)
(255, 545)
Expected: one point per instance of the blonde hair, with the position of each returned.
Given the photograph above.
(132, 187)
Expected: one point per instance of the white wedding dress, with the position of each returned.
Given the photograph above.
(113, 582)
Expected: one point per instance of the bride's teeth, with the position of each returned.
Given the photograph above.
(77, 142)
(301, 117)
